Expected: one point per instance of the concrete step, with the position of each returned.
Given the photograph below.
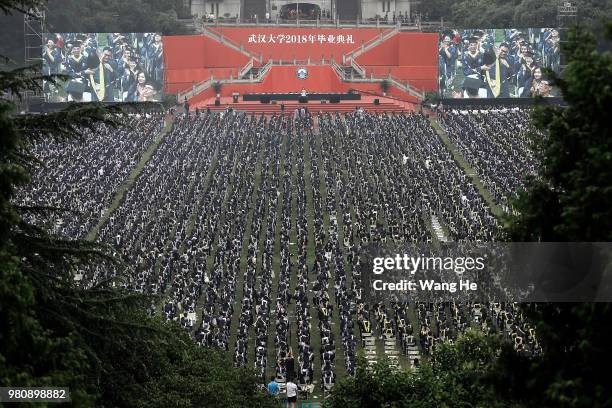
(313, 109)
(386, 105)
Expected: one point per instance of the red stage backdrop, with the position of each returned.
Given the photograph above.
(283, 79)
(299, 43)
(194, 58)
(409, 57)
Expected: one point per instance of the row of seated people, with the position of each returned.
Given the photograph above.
(81, 176)
(253, 231)
(497, 144)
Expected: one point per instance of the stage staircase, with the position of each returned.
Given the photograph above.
(207, 84)
(229, 43)
(367, 46)
(253, 72)
(350, 71)
(360, 77)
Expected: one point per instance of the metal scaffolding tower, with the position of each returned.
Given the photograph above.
(567, 16)
(34, 32)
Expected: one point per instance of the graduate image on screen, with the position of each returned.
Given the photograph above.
(108, 67)
(497, 63)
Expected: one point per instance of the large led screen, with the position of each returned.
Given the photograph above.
(498, 63)
(109, 67)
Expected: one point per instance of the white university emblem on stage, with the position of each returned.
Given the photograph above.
(302, 73)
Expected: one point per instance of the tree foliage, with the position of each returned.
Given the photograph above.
(571, 199)
(509, 13)
(134, 16)
(571, 202)
(101, 342)
(469, 373)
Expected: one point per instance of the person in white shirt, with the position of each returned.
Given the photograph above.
(291, 394)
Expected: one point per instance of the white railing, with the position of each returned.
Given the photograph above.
(368, 45)
(204, 85)
(263, 71)
(358, 68)
(296, 62)
(245, 69)
(339, 69)
(326, 23)
(196, 89)
(407, 88)
(226, 41)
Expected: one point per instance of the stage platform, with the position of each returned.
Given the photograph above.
(366, 103)
(311, 97)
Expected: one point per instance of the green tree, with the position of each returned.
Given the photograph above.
(509, 13)
(469, 373)
(434, 9)
(100, 342)
(482, 14)
(570, 201)
(134, 16)
(536, 13)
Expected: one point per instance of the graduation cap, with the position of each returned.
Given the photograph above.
(76, 88)
(473, 40)
(489, 57)
(74, 43)
(472, 84)
(93, 61)
(479, 33)
(448, 33)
